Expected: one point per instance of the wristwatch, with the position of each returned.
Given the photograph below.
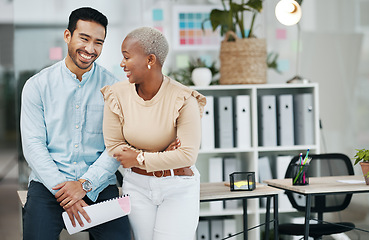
(140, 158)
(86, 185)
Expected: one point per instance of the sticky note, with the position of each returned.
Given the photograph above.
(182, 60)
(295, 46)
(157, 15)
(281, 34)
(56, 53)
(283, 65)
(160, 28)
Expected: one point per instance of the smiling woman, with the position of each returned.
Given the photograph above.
(142, 117)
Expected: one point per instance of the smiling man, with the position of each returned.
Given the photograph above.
(61, 128)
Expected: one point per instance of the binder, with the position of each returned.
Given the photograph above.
(100, 213)
(282, 163)
(203, 231)
(216, 175)
(229, 227)
(285, 120)
(304, 118)
(243, 121)
(265, 173)
(207, 128)
(231, 165)
(225, 122)
(268, 121)
(216, 229)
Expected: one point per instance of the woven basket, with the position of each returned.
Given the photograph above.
(243, 61)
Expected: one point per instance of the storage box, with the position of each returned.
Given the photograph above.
(242, 181)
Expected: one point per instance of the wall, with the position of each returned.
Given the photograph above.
(334, 50)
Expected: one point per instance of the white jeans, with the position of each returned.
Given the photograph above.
(164, 208)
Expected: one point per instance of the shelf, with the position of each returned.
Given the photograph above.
(226, 160)
(287, 148)
(225, 150)
(230, 212)
(259, 149)
(254, 86)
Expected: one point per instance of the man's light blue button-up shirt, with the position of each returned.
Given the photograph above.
(61, 128)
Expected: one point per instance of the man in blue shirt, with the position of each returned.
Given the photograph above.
(62, 140)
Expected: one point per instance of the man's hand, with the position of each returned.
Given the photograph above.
(69, 193)
(73, 213)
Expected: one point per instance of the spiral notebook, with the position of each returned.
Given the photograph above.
(100, 213)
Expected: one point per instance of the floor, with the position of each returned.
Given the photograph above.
(10, 226)
(10, 210)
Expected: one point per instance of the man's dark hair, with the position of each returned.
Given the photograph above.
(86, 14)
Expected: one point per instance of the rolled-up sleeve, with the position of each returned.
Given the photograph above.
(33, 136)
(99, 174)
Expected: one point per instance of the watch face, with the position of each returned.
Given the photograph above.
(86, 185)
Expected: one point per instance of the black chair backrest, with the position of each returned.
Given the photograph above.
(331, 164)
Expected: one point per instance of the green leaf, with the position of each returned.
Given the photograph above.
(255, 4)
(232, 16)
(238, 8)
(272, 61)
(221, 18)
(361, 155)
(299, 2)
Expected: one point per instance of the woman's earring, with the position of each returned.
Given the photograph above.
(148, 66)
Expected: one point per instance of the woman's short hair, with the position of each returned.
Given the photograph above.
(152, 42)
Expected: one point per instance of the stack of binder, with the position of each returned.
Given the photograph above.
(226, 122)
(213, 229)
(286, 119)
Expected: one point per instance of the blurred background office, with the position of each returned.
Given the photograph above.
(334, 52)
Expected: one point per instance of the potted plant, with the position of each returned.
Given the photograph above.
(231, 17)
(242, 59)
(188, 77)
(362, 157)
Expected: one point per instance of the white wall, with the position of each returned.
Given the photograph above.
(334, 50)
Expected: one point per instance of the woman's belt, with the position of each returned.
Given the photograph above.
(185, 171)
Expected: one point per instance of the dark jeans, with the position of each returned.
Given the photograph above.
(42, 218)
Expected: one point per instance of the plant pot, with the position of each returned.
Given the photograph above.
(201, 76)
(243, 61)
(365, 170)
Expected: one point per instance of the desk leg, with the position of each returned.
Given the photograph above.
(275, 207)
(245, 224)
(307, 216)
(267, 218)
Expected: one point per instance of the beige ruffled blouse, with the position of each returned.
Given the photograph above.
(150, 126)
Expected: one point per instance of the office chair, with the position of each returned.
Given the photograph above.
(332, 164)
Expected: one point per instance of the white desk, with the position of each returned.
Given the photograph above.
(22, 194)
(321, 186)
(219, 192)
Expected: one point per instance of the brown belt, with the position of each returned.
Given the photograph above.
(186, 171)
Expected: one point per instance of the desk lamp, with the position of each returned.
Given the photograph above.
(288, 12)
